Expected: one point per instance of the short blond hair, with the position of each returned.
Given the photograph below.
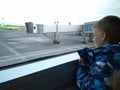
(111, 26)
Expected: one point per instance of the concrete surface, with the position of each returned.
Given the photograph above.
(17, 46)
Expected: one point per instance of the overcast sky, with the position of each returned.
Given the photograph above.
(47, 11)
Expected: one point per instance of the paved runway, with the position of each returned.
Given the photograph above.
(18, 46)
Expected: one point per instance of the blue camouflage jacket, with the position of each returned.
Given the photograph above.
(99, 64)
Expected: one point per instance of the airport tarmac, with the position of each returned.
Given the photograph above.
(17, 46)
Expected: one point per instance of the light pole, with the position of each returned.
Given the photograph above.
(2, 24)
(84, 40)
(56, 39)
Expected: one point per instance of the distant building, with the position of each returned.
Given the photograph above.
(87, 27)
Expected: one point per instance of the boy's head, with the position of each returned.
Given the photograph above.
(107, 31)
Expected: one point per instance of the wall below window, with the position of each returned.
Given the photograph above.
(57, 73)
(59, 77)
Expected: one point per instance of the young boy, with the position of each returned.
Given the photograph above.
(99, 63)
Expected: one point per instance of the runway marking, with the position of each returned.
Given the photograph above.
(21, 47)
(10, 49)
(4, 57)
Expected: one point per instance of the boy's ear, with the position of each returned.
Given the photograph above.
(104, 36)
